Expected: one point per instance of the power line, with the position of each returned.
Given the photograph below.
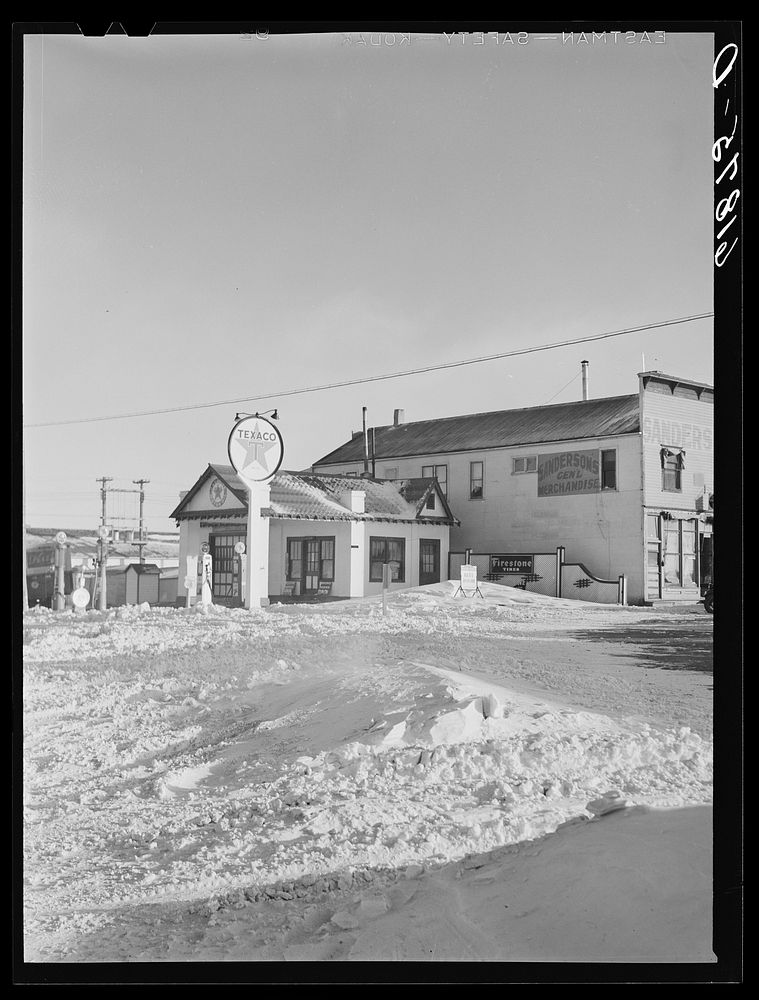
(374, 378)
(573, 379)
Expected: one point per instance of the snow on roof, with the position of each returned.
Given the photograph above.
(319, 497)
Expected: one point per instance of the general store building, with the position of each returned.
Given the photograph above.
(621, 485)
(328, 534)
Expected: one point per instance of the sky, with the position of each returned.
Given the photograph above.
(231, 218)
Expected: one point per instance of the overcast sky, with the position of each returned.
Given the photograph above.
(211, 218)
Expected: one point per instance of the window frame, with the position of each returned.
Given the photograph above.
(384, 539)
(442, 483)
(602, 452)
(523, 458)
(473, 479)
(300, 540)
(677, 455)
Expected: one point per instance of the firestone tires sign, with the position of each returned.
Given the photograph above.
(255, 449)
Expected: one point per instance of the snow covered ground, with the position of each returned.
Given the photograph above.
(453, 781)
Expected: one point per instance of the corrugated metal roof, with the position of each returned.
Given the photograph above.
(325, 497)
(499, 429)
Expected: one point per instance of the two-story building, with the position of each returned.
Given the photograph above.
(623, 484)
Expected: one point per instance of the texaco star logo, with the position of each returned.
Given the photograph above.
(255, 449)
(217, 493)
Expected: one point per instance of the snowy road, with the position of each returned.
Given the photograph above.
(291, 784)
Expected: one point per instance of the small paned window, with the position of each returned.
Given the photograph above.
(387, 550)
(528, 463)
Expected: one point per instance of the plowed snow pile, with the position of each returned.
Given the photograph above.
(320, 783)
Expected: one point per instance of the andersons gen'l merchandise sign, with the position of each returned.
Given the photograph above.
(255, 449)
(569, 472)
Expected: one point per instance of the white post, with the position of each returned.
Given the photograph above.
(60, 599)
(206, 579)
(385, 584)
(191, 580)
(257, 554)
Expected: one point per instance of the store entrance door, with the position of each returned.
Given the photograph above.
(310, 582)
(429, 561)
(226, 570)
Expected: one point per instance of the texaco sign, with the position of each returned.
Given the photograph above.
(255, 449)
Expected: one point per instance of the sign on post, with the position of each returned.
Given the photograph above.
(468, 585)
(256, 449)
(80, 598)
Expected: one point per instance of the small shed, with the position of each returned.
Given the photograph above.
(167, 586)
(134, 583)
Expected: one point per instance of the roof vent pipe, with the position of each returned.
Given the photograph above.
(399, 417)
(585, 379)
(366, 443)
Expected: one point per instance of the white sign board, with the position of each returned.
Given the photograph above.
(468, 578)
(255, 449)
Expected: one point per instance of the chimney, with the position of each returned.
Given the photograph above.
(366, 442)
(399, 417)
(355, 501)
(585, 380)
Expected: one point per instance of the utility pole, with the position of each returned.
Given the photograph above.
(102, 542)
(141, 543)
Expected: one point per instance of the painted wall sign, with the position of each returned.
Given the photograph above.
(255, 449)
(512, 564)
(568, 473)
(677, 434)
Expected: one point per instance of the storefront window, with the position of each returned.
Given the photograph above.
(672, 574)
(327, 559)
(680, 553)
(294, 558)
(387, 550)
(690, 570)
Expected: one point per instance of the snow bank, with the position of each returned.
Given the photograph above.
(212, 768)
